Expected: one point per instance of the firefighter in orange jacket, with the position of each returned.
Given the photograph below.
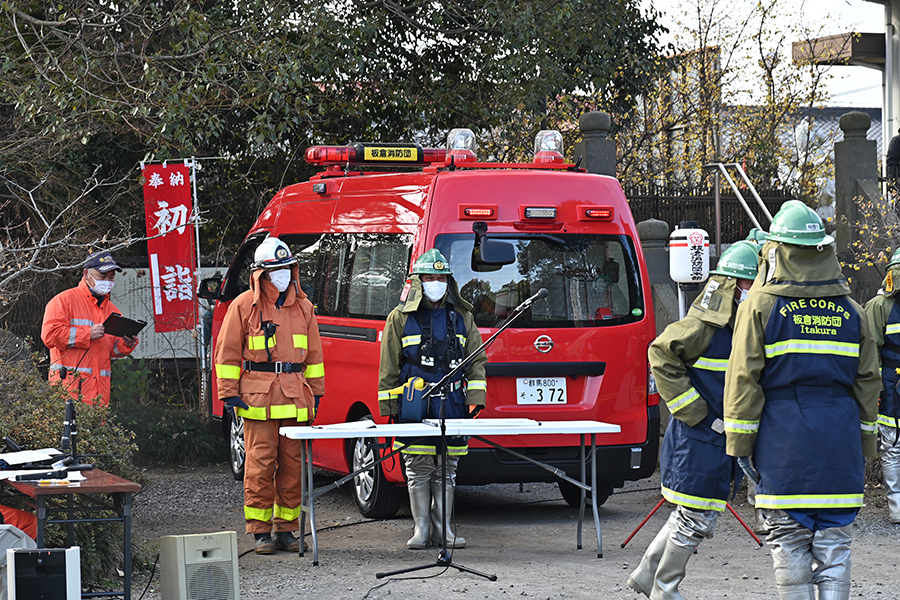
(269, 371)
(80, 351)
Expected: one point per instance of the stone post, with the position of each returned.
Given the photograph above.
(855, 161)
(596, 150)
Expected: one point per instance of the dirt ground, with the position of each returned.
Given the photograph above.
(525, 535)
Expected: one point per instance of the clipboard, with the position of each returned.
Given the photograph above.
(116, 324)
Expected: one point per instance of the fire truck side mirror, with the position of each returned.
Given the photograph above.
(209, 288)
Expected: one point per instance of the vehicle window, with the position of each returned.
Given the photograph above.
(592, 280)
(356, 275)
(378, 270)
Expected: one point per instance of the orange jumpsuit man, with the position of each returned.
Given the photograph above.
(80, 351)
(269, 370)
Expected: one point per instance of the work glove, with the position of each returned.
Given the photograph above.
(746, 465)
(234, 401)
(315, 409)
(473, 411)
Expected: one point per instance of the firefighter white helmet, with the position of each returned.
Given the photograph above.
(272, 253)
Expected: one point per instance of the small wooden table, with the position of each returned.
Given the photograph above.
(96, 482)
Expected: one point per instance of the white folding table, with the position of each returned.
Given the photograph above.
(479, 429)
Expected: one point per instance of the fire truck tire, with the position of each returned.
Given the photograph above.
(572, 493)
(375, 497)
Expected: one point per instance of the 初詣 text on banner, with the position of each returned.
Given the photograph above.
(168, 206)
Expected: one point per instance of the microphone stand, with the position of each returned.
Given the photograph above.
(445, 558)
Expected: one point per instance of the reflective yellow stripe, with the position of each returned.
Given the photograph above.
(711, 364)
(867, 426)
(258, 342)
(693, 501)
(228, 371)
(411, 340)
(258, 514)
(738, 426)
(462, 339)
(387, 395)
(809, 501)
(283, 411)
(683, 400)
(477, 384)
(888, 421)
(300, 341)
(892, 328)
(288, 514)
(429, 450)
(257, 413)
(313, 371)
(811, 347)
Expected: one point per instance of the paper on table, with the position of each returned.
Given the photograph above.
(26, 456)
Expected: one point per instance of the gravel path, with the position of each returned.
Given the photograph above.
(523, 534)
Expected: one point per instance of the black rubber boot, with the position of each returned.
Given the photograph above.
(263, 544)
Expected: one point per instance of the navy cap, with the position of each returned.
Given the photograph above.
(102, 262)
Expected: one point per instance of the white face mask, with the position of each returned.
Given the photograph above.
(102, 287)
(434, 290)
(744, 294)
(280, 279)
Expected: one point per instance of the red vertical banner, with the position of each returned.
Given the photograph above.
(168, 206)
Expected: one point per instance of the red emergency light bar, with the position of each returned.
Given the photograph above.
(362, 154)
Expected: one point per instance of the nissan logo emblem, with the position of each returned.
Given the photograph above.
(543, 344)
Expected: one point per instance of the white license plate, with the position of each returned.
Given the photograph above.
(541, 390)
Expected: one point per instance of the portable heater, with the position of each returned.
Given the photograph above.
(199, 567)
(43, 573)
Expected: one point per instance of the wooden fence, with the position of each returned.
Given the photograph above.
(700, 205)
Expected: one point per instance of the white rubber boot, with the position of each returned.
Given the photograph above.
(437, 511)
(641, 579)
(803, 591)
(420, 505)
(670, 572)
(890, 469)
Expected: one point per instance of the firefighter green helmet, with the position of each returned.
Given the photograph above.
(431, 262)
(757, 235)
(895, 258)
(798, 224)
(740, 260)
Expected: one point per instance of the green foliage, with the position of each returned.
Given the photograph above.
(32, 415)
(164, 432)
(90, 83)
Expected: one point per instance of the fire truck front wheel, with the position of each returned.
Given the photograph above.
(375, 497)
(236, 454)
(572, 493)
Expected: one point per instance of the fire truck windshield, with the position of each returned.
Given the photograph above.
(592, 280)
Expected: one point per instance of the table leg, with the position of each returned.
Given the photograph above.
(312, 506)
(70, 514)
(41, 519)
(594, 494)
(126, 520)
(583, 482)
(304, 494)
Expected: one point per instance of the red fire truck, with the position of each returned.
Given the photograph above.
(357, 226)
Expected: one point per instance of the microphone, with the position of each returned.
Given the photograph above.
(542, 293)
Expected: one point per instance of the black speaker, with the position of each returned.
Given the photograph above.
(44, 574)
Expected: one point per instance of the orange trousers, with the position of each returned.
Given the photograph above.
(25, 521)
(272, 477)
